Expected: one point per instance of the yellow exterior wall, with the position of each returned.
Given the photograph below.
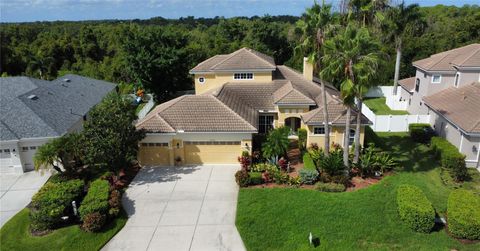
(215, 80)
(288, 112)
(336, 136)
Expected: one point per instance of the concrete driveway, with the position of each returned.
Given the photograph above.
(16, 191)
(181, 208)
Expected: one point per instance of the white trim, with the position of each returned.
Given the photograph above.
(215, 132)
(267, 111)
(319, 134)
(439, 81)
(294, 105)
(461, 142)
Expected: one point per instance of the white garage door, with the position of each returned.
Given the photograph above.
(5, 161)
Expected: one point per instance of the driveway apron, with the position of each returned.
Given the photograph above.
(180, 208)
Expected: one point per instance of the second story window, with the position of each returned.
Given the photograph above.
(457, 79)
(242, 76)
(436, 79)
(417, 84)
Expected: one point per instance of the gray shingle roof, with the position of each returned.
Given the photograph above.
(57, 107)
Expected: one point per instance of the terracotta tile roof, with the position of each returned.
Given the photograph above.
(242, 59)
(407, 83)
(194, 113)
(461, 106)
(336, 114)
(466, 56)
(289, 95)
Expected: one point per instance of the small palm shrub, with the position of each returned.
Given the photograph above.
(333, 163)
(415, 209)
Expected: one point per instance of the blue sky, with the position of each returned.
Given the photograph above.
(49, 10)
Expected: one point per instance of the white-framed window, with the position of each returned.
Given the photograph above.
(457, 79)
(24, 148)
(201, 80)
(351, 137)
(417, 84)
(436, 78)
(33, 148)
(6, 150)
(319, 130)
(265, 123)
(243, 75)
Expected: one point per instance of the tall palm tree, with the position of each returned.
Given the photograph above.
(352, 57)
(313, 28)
(400, 21)
(367, 12)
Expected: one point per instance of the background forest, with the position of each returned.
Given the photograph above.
(158, 52)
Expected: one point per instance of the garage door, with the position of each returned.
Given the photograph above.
(5, 161)
(211, 152)
(154, 154)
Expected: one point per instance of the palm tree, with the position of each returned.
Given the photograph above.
(367, 12)
(276, 144)
(400, 21)
(315, 25)
(352, 57)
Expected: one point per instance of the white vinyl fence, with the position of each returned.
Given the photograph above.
(391, 123)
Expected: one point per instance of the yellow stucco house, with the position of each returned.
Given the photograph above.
(236, 96)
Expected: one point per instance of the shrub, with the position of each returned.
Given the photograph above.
(52, 202)
(420, 132)
(283, 163)
(329, 187)
(302, 138)
(280, 177)
(339, 179)
(245, 162)
(255, 178)
(96, 200)
(415, 209)
(463, 214)
(262, 167)
(450, 158)
(115, 203)
(371, 161)
(242, 178)
(308, 176)
(93, 222)
(333, 163)
(308, 162)
(294, 181)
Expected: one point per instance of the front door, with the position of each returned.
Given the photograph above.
(293, 123)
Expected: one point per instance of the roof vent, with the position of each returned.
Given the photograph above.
(66, 80)
(32, 97)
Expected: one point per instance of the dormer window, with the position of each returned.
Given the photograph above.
(457, 79)
(417, 84)
(243, 76)
(436, 79)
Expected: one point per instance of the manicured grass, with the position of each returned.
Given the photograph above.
(15, 235)
(379, 107)
(281, 219)
(308, 162)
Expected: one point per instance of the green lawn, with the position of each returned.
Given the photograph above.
(15, 235)
(281, 218)
(379, 107)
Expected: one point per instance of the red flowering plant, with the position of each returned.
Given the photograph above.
(245, 160)
(283, 164)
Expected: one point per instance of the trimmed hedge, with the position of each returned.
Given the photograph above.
(53, 201)
(308, 162)
(463, 214)
(96, 200)
(421, 132)
(255, 178)
(329, 187)
(415, 209)
(308, 176)
(450, 157)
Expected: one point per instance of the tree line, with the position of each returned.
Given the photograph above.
(159, 52)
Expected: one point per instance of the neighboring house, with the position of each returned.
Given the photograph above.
(236, 96)
(446, 87)
(33, 111)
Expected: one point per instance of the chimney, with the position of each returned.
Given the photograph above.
(307, 69)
